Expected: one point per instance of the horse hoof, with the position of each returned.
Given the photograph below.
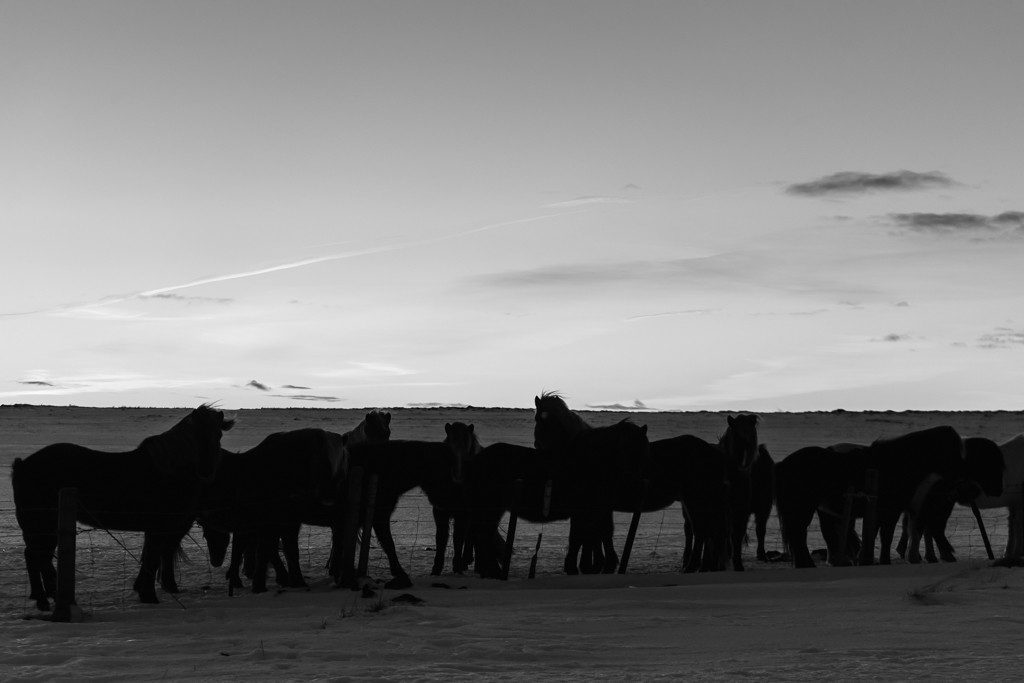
(42, 604)
(148, 598)
(398, 582)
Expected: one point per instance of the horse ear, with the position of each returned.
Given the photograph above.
(536, 402)
(644, 430)
(448, 428)
(387, 418)
(730, 420)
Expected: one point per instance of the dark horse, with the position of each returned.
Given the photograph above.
(399, 467)
(566, 436)
(933, 512)
(818, 479)
(264, 495)
(738, 450)
(454, 510)
(154, 489)
(762, 493)
(581, 480)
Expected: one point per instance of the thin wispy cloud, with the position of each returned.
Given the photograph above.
(99, 309)
(258, 385)
(36, 383)
(665, 314)
(853, 182)
(294, 386)
(587, 201)
(188, 299)
(960, 222)
(309, 398)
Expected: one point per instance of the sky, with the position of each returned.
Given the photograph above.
(664, 205)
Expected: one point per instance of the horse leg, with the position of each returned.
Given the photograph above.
(145, 582)
(573, 550)
(886, 530)
(171, 546)
(290, 545)
(611, 558)
(1014, 518)
(382, 527)
(238, 543)
(901, 545)
(39, 555)
(441, 518)
(760, 529)
(462, 551)
(795, 525)
(688, 562)
(265, 543)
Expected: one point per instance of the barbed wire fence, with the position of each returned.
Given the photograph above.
(107, 564)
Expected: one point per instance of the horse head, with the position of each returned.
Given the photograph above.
(985, 464)
(740, 439)
(376, 426)
(554, 424)
(217, 543)
(190, 448)
(462, 439)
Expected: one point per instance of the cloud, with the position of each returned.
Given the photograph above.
(258, 385)
(308, 397)
(637, 405)
(36, 382)
(187, 299)
(1001, 338)
(959, 222)
(893, 337)
(293, 386)
(852, 182)
(689, 311)
(587, 201)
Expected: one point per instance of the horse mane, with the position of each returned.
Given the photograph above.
(552, 403)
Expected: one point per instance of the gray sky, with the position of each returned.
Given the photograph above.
(756, 205)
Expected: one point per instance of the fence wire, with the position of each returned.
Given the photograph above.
(106, 563)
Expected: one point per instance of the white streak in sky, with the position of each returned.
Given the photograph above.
(347, 255)
(88, 307)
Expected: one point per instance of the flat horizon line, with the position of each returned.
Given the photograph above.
(837, 411)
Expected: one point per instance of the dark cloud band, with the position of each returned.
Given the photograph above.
(951, 222)
(852, 182)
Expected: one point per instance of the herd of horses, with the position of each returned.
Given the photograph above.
(256, 501)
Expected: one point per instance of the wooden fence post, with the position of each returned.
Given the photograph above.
(981, 528)
(870, 528)
(67, 514)
(513, 515)
(349, 530)
(364, 549)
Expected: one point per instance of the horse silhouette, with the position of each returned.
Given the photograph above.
(817, 479)
(936, 506)
(155, 488)
(577, 472)
(454, 511)
(264, 495)
(399, 467)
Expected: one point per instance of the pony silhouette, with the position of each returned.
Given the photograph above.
(155, 488)
(399, 467)
(264, 495)
(816, 479)
(454, 511)
(930, 515)
(576, 472)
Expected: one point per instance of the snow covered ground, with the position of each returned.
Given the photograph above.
(903, 621)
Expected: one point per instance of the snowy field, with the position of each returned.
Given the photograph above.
(903, 621)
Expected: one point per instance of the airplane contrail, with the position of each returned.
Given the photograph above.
(115, 299)
(347, 255)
